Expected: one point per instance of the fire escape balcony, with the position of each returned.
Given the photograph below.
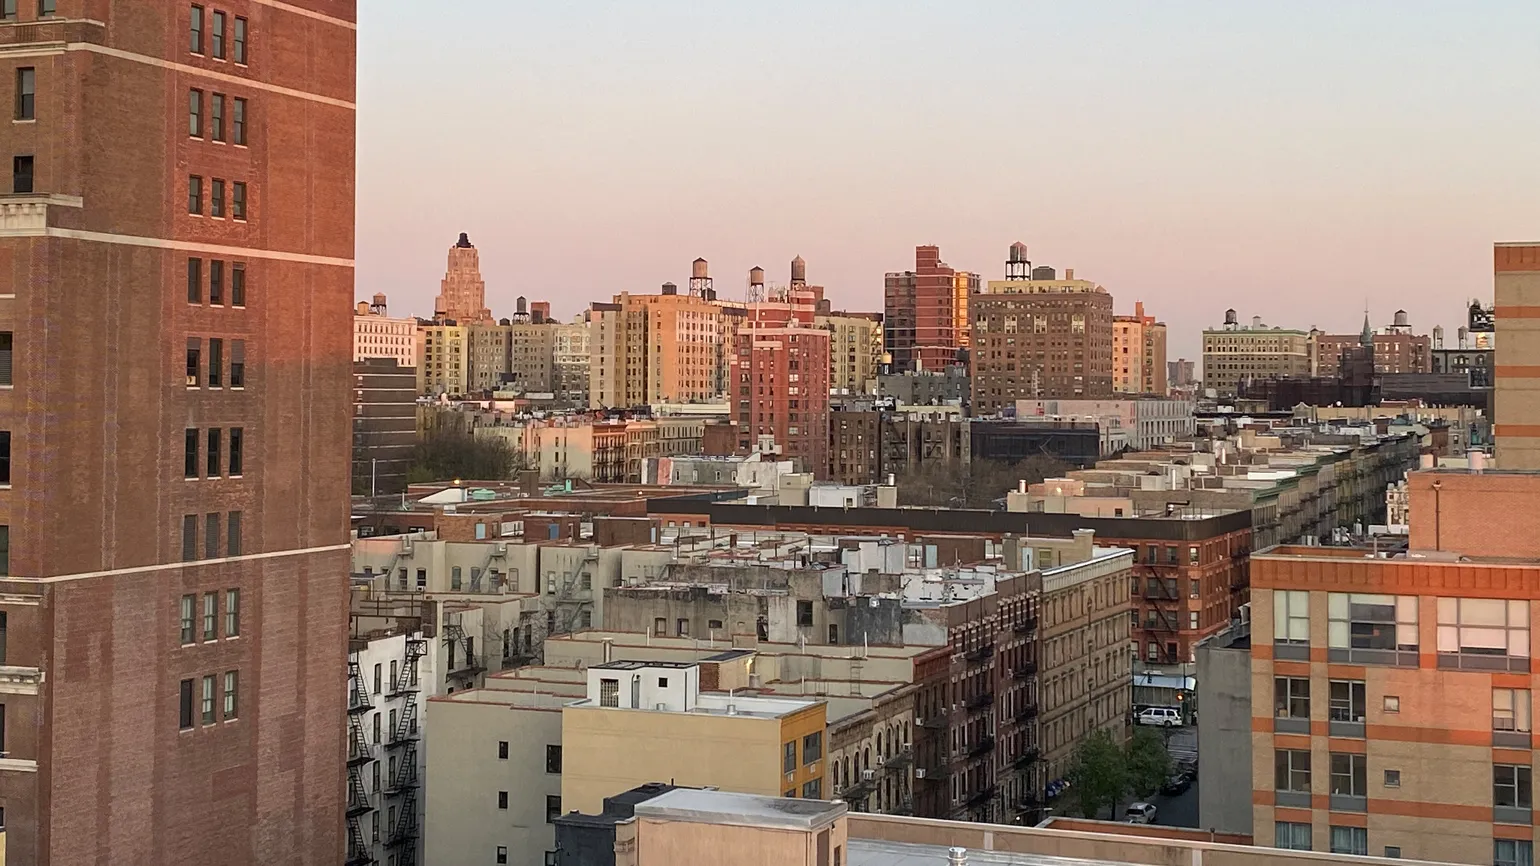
(980, 654)
(359, 750)
(405, 831)
(1161, 623)
(1027, 713)
(861, 788)
(1026, 670)
(934, 722)
(1025, 759)
(1026, 626)
(938, 770)
(358, 801)
(359, 852)
(985, 745)
(982, 700)
(981, 796)
(900, 760)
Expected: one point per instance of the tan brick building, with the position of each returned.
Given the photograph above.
(462, 297)
(855, 350)
(177, 345)
(1516, 396)
(1232, 354)
(1138, 353)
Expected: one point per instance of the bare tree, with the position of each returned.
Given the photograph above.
(978, 484)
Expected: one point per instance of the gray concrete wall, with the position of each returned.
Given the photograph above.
(1224, 735)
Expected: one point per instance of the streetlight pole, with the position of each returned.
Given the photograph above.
(374, 467)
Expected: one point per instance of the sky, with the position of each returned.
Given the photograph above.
(1296, 161)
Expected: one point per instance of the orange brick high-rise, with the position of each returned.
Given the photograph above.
(926, 325)
(175, 350)
(780, 376)
(462, 296)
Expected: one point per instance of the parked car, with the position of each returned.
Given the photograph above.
(1140, 813)
(1166, 717)
(1178, 783)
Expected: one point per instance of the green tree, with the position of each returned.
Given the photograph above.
(444, 453)
(1149, 764)
(1099, 774)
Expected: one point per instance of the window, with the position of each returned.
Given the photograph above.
(195, 31)
(217, 34)
(232, 694)
(1347, 701)
(1295, 837)
(1194, 588)
(502, 799)
(195, 113)
(1510, 710)
(609, 693)
(237, 439)
(812, 747)
(8, 10)
(5, 549)
(45, 7)
(682, 627)
(1291, 770)
(1350, 840)
(232, 609)
(5, 457)
(502, 750)
(21, 174)
(1392, 778)
(217, 198)
(213, 450)
(789, 757)
(189, 537)
(1510, 786)
(6, 343)
(237, 363)
(237, 284)
(1483, 633)
(713, 624)
(194, 194)
(190, 454)
(1291, 698)
(239, 46)
(813, 790)
(238, 200)
(1392, 703)
(502, 854)
(211, 536)
(804, 613)
(208, 700)
(216, 282)
(185, 714)
(1372, 628)
(454, 577)
(189, 603)
(210, 616)
(1349, 775)
(1291, 616)
(238, 121)
(1513, 852)
(379, 679)
(3, 627)
(553, 759)
(552, 808)
(233, 539)
(195, 281)
(26, 93)
(659, 626)
(216, 362)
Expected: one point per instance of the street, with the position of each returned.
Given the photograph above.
(1181, 810)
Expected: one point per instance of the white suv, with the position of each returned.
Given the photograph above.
(1166, 717)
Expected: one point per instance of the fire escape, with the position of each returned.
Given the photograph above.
(463, 665)
(359, 754)
(403, 782)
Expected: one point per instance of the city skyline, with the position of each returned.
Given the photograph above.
(1174, 171)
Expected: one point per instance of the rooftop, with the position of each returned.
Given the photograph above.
(700, 806)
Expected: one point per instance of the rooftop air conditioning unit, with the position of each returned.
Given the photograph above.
(919, 773)
(881, 760)
(868, 775)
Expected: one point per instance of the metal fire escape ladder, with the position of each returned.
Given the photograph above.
(468, 667)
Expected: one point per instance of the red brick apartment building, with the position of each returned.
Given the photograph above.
(780, 379)
(176, 352)
(925, 313)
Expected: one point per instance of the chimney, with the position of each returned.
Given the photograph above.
(1256, 323)
(1427, 461)
(957, 857)
(1021, 485)
(1477, 459)
(1069, 274)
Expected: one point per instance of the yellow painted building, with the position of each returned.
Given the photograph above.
(855, 351)
(649, 721)
(445, 360)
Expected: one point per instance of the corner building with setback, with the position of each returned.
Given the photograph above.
(176, 283)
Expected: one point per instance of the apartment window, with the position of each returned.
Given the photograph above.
(213, 452)
(502, 750)
(208, 700)
(195, 31)
(237, 363)
(189, 537)
(502, 854)
(5, 457)
(659, 626)
(8, 10)
(26, 92)
(239, 46)
(217, 34)
(1291, 618)
(1510, 715)
(1291, 703)
(237, 284)
(211, 536)
(210, 616)
(552, 808)
(1349, 775)
(454, 578)
(45, 7)
(1483, 634)
(21, 174)
(553, 759)
(379, 679)
(237, 440)
(609, 693)
(232, 612)
(216, 362)
(1350, 840)
(194, 194)
(1347, 701)
(232, 694)
(812, 747)
(1291, 770)
(217, 198)
(238, 200)
(804, 613)
(238, 121)
(1392, 703)
(1294, 836)
(682, 628)
(216, 282)
(185, 714)
(1513, 852)
(1392, 778)
(233, 539)
(189, 603)
(194, 113)
(6, 344)
(195, 281)
(190, 454)
(812, 790)
(1376, 629)
(1510, 786)
(1194, 588)
(3, 628)
(502, 799)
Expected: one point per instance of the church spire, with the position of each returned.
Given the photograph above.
(1367, 337)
